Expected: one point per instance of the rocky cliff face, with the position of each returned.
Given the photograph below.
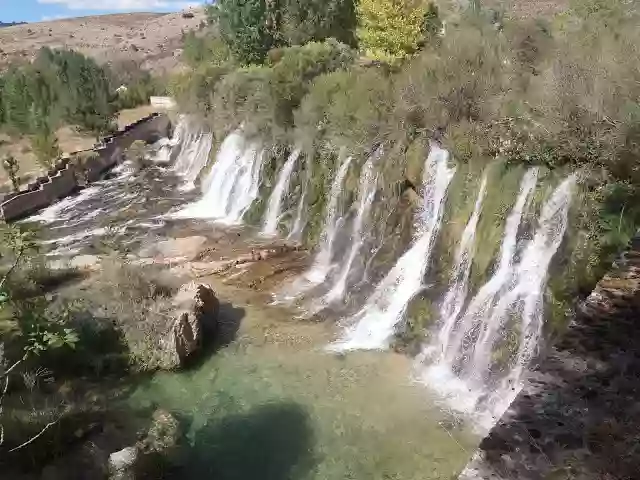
(579, 416)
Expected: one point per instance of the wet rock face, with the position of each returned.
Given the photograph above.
(196, 317)
(579, 415)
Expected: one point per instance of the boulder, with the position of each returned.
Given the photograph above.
(149, 457)
(196, 317)
(122, 463)
(163, 436)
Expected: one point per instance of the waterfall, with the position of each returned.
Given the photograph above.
(366, 194)
(374, 324)
(232, 184)
(193, 155)
(468, 371)
(322, 261)
(452, 339)
(457, 293)
(272, 215)
(298, 224)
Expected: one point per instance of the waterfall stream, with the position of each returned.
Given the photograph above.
(232, 184)
(322, 262)
(457, 293)
(480, 362)
(298, 224)
(366, 194)
(272, 215)
(374, 324)
(194, 146)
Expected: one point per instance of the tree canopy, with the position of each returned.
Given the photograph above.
(60, 86)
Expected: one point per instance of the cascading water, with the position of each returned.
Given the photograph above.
(457, 293)
(374, 324)
(322, 261)
(272, 215)
(232, 184)
(194, 146)
(298, 224)
(479, 369)
(484, 299)
(366, 194)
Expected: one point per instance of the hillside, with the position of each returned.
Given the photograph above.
(150, 38)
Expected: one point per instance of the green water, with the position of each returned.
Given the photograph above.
(272, 405)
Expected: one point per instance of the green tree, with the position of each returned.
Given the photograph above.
(251, 28)
(248, 27)
(311, 20)
(10, 165)
(392, 29)
(45, 145)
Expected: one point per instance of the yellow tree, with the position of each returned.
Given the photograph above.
(391, 29)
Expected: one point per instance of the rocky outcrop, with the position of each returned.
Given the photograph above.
(122, 464)
(579, 415)
(196, 318)
(149, 457)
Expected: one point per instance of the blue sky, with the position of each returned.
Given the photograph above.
(37, 10)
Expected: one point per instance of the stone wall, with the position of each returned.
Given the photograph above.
(67, 175)
(579, 415)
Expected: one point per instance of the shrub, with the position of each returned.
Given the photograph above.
(208, 48)
(346, 108)
(264, 98)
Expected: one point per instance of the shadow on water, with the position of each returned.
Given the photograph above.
(229, 324)
(271, 442)
(230, 319)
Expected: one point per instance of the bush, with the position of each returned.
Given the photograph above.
(208, 48)
(264, 98)
(346, 108)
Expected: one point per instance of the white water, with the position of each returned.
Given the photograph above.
(457, 293)
(468, 373)
(64, 209)
(272, 215)
(232, 184)
(366, 194)
(194, 146)
(322, 262)
(298, 224)
(374, 324)
(451, 337)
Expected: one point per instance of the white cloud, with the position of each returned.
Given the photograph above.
(121, 5)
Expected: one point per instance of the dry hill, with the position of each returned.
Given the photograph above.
(152, 39)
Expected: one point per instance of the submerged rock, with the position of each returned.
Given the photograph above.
(149, 457)
(122, 464)
(196, 317)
